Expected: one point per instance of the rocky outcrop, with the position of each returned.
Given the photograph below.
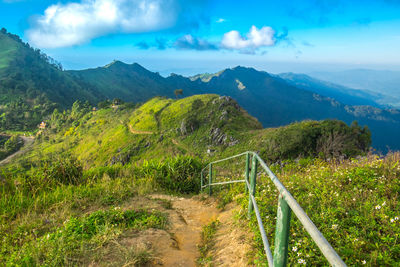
(217, 137)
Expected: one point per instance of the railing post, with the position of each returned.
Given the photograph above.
(247, 171)
(282, 233)
(201, 182)
(253, 176)
(210, 179)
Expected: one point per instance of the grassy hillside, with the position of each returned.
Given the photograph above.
(33, 84)
(354, 203)
(87, 163)
(206, 126)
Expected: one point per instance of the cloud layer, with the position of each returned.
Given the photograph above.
(190, 42)
(76, 23)
(255, 39)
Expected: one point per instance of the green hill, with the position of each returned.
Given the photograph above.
(205, 126)
(33, 84)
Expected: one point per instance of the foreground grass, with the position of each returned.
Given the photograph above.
(354, 203)
(61, 215)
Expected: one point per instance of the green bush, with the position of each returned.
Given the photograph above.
(180, 174)
(63, 170)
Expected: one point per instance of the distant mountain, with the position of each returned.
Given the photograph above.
(340, 93)
(130, 82)
(384, 82)
(276, 102)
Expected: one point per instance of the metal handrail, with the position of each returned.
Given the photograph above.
(286, 204)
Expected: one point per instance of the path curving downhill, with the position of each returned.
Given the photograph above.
(28, 141)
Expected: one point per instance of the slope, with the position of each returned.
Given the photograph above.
(32, 85)
(205, 126)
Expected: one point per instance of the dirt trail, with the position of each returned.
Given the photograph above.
(187, 218)
(178, 245)
(27, 144)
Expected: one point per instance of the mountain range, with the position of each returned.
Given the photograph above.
(383, 82)
(32, 85)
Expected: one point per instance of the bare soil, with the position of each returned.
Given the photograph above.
(177, 246)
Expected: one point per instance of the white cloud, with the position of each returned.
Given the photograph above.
(256, 38)
(76, 23)
(220, 20)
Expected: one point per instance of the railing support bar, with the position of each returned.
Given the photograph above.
(210, 179)
(252, 189)
(201, 182)
(282, 233)
(246, 177)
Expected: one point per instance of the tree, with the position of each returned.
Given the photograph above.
(178, 92)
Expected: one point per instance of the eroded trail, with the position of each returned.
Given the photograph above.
(187, 218)
(178, 244)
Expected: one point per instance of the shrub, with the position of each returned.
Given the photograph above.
(64, 170)
(180, 174)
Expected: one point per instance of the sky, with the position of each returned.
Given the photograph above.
(193, 36)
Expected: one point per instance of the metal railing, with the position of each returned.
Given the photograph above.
(286, 204)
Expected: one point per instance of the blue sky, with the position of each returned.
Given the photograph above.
(193, 36)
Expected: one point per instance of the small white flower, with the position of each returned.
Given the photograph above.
(384, 203)
(294, 249)
(391, 220)
(396, 218)
(354, 199)
(298, 254)
(334, 226)
(48, 236)
(378, 207)
(301, 261)
(364, 262)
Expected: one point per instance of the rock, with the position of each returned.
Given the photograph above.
(219, 138)
(183, 127)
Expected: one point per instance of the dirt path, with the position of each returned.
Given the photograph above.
(178, 245)
(187, 218)
(138, 132)
(27, 144)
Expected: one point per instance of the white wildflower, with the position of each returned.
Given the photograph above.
(301, 261)
(391, 220)
(364, 262)
(294, 249)
(334, 226)
(378, 207)
(396, 218)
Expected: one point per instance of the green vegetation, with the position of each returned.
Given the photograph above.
(207, 243)
(87, 162)
(32, 85)
(9, 145)
(354, 203)
(72, 242)
(58, 215)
